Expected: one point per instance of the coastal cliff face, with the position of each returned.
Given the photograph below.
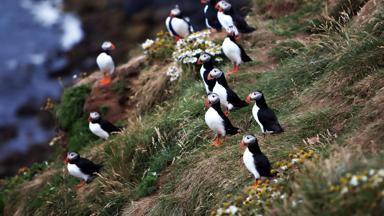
(323, 75)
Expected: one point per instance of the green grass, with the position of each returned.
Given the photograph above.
(287, 49)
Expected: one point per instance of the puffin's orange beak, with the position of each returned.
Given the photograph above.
(242, 144)
(237, 37)
(66, 160)
(217, 6)
(89, 119)
(206, 103)
(248, 99)
(202, 1)
(170, 14)
(199, 62)
(113, 46)
(209, 77)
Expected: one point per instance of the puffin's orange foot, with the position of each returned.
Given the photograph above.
(80, 185)
(106, 80)
(216, 142)
(256, 184)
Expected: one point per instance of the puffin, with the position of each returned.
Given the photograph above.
(177, 25)
(210, 13)
(81, 168)
(217, 121)
(100, 127)
(234, 52)
(255, 161)
(206, 60)
(230, 18)
(228, 98)
(263, 115)
(105, 62)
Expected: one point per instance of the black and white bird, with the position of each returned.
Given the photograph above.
(210, 13)
(206, 61)
(100, 127)
(81, 168)
(217, 121)
(228, 98)
(177, 25)
(230, 19)
(263, 115)
(105, 62)
(234, 52)
(255, 161)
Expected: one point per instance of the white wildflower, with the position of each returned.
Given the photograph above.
(231, 209)
(344, 190)
(147, 44)
(283, 168)
(381, 172)
(283, 196)
(295, 160)
(364, 178)
(371, 172)
(354, 181)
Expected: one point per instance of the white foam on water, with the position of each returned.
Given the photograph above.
(48, 13)
(72, 31)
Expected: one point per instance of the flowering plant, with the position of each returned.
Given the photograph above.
(160, 48)
(188, 50)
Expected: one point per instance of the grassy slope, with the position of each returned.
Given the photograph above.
(332, 84)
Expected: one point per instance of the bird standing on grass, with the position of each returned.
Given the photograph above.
(230, 19)
(100, 127)
(81, 168)
(234, 52)
(177, 25)
(228, 98)
(105, 62)
(210, 13)
(255, 161)
(217, 121)
(263, 115)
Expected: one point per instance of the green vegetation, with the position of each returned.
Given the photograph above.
(287, 49)
(328, 97)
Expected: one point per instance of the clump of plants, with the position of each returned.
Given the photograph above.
(287, 49)
(161, 48)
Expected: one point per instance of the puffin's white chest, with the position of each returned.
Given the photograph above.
(214, 121)
(98, 131)
(249, 162)
(180, 26)
(227, 22)
(232, 51)
(75, 171)
(255, 111)
(202, 70)
(105, 63)
(222, 92)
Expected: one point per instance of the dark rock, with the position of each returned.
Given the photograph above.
(7, 133)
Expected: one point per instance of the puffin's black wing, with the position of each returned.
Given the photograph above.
(234, 99)
(88, 167)
(269, 120)
(262, 165)
(108, 126)
(229, 128)
(244, 56)
(211, 16)
(241, 24)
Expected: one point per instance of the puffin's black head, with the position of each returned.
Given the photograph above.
(215, 73)
(223, 6)
(204, 58)
(256, 96)
(248, 140)
(108, 46)
(175, 12)
(94, 116)
(72, 156)
(213, 98)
